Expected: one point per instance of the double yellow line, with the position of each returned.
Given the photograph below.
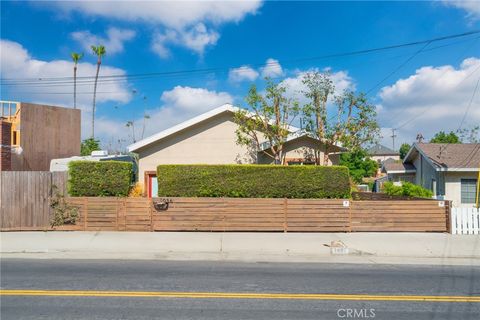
(237, 295)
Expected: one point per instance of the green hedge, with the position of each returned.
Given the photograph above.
(99, 178)
(406, 189)
(253, 181)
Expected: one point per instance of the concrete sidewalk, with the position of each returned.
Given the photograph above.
(396, 248)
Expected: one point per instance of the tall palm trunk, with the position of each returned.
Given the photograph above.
(94, 98)
(75, 86)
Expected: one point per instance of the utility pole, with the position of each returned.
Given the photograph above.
(419, 137)
(393, 136)
(477, 198)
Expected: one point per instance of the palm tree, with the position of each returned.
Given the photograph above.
(131, 124)
(75, 57)
(145, 118)
(99, 51)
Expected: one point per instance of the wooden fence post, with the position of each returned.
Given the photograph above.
(448, 213)
(85, 211)
(285, 208)
(149, 203)
(350, 216)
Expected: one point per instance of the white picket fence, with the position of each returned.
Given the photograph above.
(465, 221)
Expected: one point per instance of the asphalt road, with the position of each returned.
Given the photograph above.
(216, 290)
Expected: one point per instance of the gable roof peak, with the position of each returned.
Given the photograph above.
(380, 149)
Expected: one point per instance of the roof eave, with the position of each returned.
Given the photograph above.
(188, 123)
(446, 169)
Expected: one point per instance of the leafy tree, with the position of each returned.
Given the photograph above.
(404, 148)
(99, 51)
(89, 145)
(470, 135)
(354, 124)
(358, 164)
(75, 57)
(442, 137)
(268, 122)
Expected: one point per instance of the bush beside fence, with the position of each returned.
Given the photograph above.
(253, 181)
(99, 178)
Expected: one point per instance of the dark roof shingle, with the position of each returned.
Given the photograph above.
(452, 155)
(397, 166)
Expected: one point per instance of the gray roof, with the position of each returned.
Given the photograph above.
(452, 155)
(398, 167)
(381, 150)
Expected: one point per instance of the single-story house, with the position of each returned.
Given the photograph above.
(449, 170)
(210, 138)
(380, 153)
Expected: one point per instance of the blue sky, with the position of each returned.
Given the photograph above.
(436, 85)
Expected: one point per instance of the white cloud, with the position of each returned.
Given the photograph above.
(194, 99)
(173, 14)
(435, 98)
(196, 38)
(243, 73)
(177, 105)
(271, 69)
(16, 62)
(113, 42)
(471, 7)
(184, 23)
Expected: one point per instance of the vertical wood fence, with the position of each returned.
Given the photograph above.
(25, 198)
(465, 221)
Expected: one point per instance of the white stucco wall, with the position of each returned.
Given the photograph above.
(209, 142)
(453, 187)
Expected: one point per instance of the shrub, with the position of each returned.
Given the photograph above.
(253, 181)
(406, 189)
(136, 190)
(63, 213)
(359, 165)
(99, 178)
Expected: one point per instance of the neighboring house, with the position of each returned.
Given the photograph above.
(210, 138)
(398, 171)
(37, 134)
(449, 170)
(380, 153)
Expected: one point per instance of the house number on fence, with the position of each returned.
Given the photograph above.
(346, 203)
(162, 204)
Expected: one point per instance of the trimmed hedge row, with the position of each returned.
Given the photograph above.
(99, 178)
(253, 181)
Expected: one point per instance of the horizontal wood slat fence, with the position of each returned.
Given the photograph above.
(234, 214)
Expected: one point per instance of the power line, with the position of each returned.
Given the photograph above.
(469, 105)
(417, 116)
(54, 80)
(398, 68)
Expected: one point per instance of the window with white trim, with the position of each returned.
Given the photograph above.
(468, 190)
